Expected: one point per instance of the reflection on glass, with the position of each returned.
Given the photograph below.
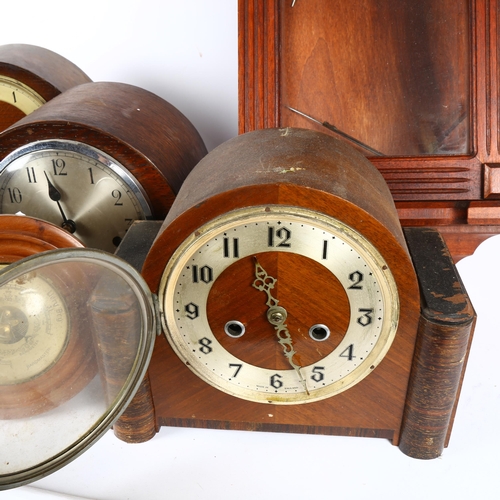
(71, 337)
(394, 74)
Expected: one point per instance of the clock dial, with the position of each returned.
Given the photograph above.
(34, 326)
(239, 285)
(75, 186)
(30, 76)
(96, 158)
(16, 100)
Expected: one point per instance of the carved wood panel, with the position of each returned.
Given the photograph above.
(457, 191)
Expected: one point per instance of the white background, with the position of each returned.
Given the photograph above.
(186, 52)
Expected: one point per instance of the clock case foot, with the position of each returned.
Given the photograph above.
(445, 331)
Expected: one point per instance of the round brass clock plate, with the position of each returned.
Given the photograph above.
(215, 327)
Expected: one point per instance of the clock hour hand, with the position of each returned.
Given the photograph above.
(337, 131)
(55, 195)
(276, 315)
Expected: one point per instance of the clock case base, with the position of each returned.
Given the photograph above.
(444, 334)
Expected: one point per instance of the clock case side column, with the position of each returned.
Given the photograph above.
(445, 331)
(137, 423)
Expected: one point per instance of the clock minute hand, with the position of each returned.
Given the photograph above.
(276, 315)
(337, 131)
(55, 195)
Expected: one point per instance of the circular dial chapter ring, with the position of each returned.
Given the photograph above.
(16, 101)
(208, 283)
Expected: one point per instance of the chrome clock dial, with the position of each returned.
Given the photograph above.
(288, 345)
(75, 186)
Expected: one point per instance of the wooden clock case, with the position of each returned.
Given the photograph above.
(404, 399)
(278, 48)
(40, 69)
(153, 140)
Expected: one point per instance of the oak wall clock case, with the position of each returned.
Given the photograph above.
(29, 77)
(417, 82)
(96, 158)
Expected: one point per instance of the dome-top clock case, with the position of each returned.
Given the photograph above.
(29, 77)
(96, 158)
(294, 219)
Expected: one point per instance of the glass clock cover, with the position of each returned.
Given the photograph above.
(76, 334)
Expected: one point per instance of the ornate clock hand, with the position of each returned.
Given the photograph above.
(55, 195)
(337, 131)
(276, 315)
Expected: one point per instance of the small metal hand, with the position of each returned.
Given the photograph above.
(276, 315)
(337, 131)
(55, 195)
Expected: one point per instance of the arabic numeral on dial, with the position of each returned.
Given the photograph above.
(348, 353)
(275, 381)
(205, 345)
(279, 238)
(318, 374)
(366, 318)
(238, 368)
(59, 167)
(192, 310)
(356, 278)
(15, 195)
(204, 274)
(31, 175)
(117, 195)
(14, 96)
(91, 174)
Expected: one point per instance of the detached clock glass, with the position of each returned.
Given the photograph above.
(412, 85)
(29, 77)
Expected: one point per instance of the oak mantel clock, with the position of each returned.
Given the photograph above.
(289, 300)
(288, 296)
(29, 77)
(412, 85)
(96, 158)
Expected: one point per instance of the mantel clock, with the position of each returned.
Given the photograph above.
(290, 303)
(96, 158)
(29, 77)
